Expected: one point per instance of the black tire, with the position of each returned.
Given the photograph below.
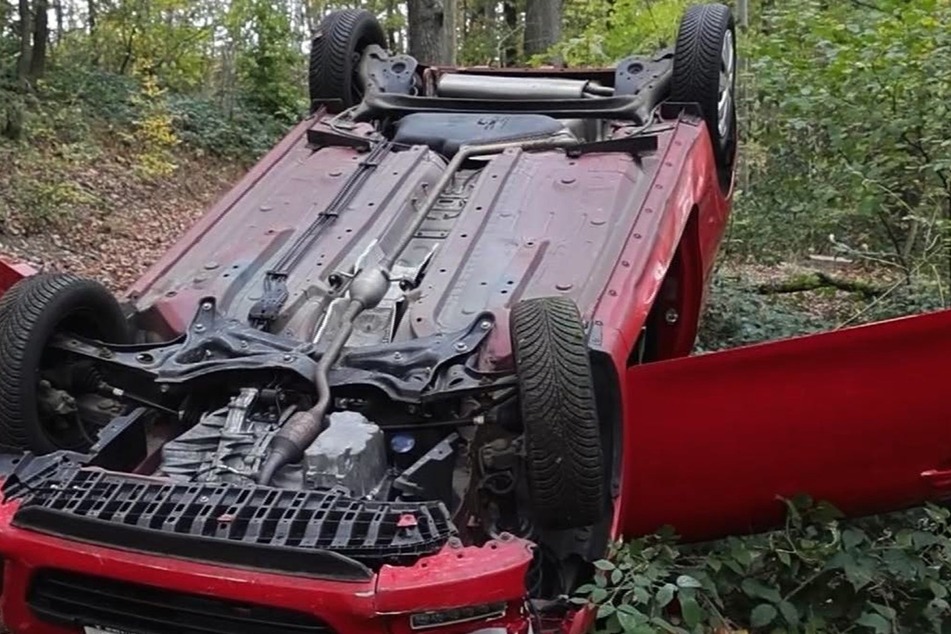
(557, 400)
(40, 307)
(335, 58)
(698, 60)
(8, 299)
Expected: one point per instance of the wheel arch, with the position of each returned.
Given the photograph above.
(674, 318)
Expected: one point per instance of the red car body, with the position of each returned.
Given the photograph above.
(705, 444)
(680, 215)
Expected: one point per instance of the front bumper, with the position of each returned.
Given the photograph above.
(454, 577)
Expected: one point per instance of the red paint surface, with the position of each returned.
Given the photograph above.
(12, 271)
(445, 581)
(857, 417)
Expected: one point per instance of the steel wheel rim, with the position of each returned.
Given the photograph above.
(727, 74)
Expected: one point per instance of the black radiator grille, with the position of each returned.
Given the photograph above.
(68, 598)
(221, 522)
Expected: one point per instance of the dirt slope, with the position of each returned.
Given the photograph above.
(114, 224)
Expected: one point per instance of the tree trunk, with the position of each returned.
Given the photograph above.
(60, 18)
(542, 25)
(510, 16)
(26, 36)
(41, 34)
(450, 43)
(430, 28)
(93, 20)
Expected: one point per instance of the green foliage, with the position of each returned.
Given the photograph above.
(739, 314)
(847, 130)
(38, 197)
(818, 574)
(269, 66)
(153, 135)
(172, 36)
(243, 134)
(601, 32)
(736, 316)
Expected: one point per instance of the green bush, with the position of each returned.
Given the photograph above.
(243, 134)
(847, 129)
(818, 574)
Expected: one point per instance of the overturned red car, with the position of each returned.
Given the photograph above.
(411, 373)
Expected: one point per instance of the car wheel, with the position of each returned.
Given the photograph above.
(32, 311)
(557, 401)
(705, 73)
(335, 58)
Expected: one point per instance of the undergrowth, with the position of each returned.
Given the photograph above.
(818, 574)
(78, 115)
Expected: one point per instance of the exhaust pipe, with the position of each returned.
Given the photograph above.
(489, 87)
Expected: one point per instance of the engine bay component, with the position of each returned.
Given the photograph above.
(445, 133)
(228, 445)
(430, 477)
(350, 453)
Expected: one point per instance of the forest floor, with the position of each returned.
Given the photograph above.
(109, 223)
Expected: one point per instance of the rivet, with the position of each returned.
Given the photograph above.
(485, 325)
(288, 357)
(206, 306)
(266, 207)
(672, 316)
(211, 266)
(612, 293)
(637, 236)
(567, 180)
(625, 263)
(461, 346)
(563, 286)
(199, 328)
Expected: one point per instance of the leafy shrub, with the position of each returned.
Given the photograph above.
(601, 32)
(818, 574)
(737, 316)
(244, 134)
(153, 133)
(846, 128)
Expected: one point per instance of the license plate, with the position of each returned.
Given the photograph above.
(95, 629)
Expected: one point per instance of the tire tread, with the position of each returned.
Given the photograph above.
(559, 415)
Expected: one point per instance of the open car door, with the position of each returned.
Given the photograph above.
(858, 418)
